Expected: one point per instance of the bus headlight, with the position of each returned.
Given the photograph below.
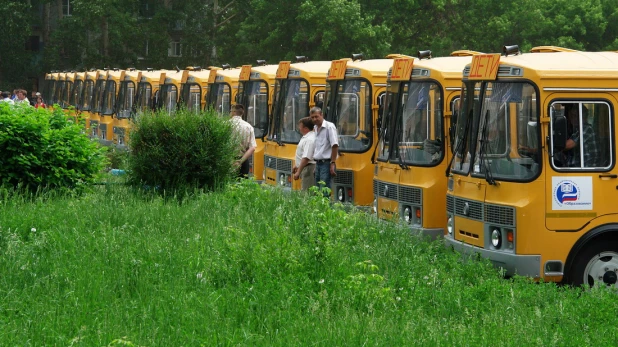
(282, 180)
(407, 214)
(340, 194)
(496, 238)
(375, 205)
(450, 225)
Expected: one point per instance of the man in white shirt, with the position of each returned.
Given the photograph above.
(305, 165)
(21, 97)
(246, 136)
(326, 147)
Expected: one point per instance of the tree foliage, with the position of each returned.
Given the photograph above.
(165, 33)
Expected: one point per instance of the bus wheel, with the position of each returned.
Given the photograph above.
(597, 265)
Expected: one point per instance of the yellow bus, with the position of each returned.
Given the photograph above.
(415, 147)
(60, 88)
(96, 104)
(49, 89)
(222, 88)
(108, 106)
(298, 88)
(193, 88)
(355, 91)
(75, 96)
(255, 93)
(86, 98)
(65, 93)
(524, 190)
(124, 106)
(170, 90)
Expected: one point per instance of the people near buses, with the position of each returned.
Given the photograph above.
(33, 96)
(246, 137)
(21, 97)
(591, 149)
(305, 165)
(39, 102)
(6, 97)
(326, 148)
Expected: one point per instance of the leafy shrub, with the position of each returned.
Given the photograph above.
(40, 148)
(180, 151)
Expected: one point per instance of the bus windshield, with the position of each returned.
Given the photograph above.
(508, 141)
(255, 95)
(463, 145)
(87, 93)
(351, 114)
(419, 124)
(76, 92)
(144, 97)
(169, 97)
(292, 105)
(390, 109)
(219, 95)
(126, 96)
(109, 98)
(192, 96)
(66, 94)
(97, 96)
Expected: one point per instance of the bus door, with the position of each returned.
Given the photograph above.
(580, 180)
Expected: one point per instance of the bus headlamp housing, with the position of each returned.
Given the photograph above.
(496, 238)
(340, 194)
(450, 224)
(407, 214)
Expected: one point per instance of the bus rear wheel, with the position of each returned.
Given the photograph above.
(597, 265)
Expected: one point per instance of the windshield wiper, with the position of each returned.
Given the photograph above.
(482, 153)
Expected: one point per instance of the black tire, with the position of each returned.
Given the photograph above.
(596, 264)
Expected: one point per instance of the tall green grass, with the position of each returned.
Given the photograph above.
(249, 266)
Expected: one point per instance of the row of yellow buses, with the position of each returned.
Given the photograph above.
(508, 155)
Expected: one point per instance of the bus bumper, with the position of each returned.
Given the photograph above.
(514, 264)
(432, 233)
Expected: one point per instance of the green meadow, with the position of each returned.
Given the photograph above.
(250, 266)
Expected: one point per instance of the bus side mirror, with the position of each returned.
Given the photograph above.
(559, 133)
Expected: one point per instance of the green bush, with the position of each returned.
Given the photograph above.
(186, 150)
(40, 148)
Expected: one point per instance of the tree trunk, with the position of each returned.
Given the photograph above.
(105, 38)
(213, 34)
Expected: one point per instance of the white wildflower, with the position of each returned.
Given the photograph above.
(33, 230)
(321, 281)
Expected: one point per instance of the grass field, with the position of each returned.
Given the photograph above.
(251, 267)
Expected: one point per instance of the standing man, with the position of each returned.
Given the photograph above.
(305, 165)
(246, 135)
(326, 147)
(21, 97)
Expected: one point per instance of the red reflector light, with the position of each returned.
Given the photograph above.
(289, 179)
(350, 192)
(418, 213)
(509, 236)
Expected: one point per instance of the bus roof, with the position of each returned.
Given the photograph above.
(562, 65)
(371, 67)
(315, 68)
(229, 74)
(267, 72)
(441, 68)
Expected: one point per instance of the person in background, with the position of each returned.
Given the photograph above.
(21, 97)
(246, 134)
(39, 102)
(305, 165)
(326, 148)
(33, 96)
(6, 98)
